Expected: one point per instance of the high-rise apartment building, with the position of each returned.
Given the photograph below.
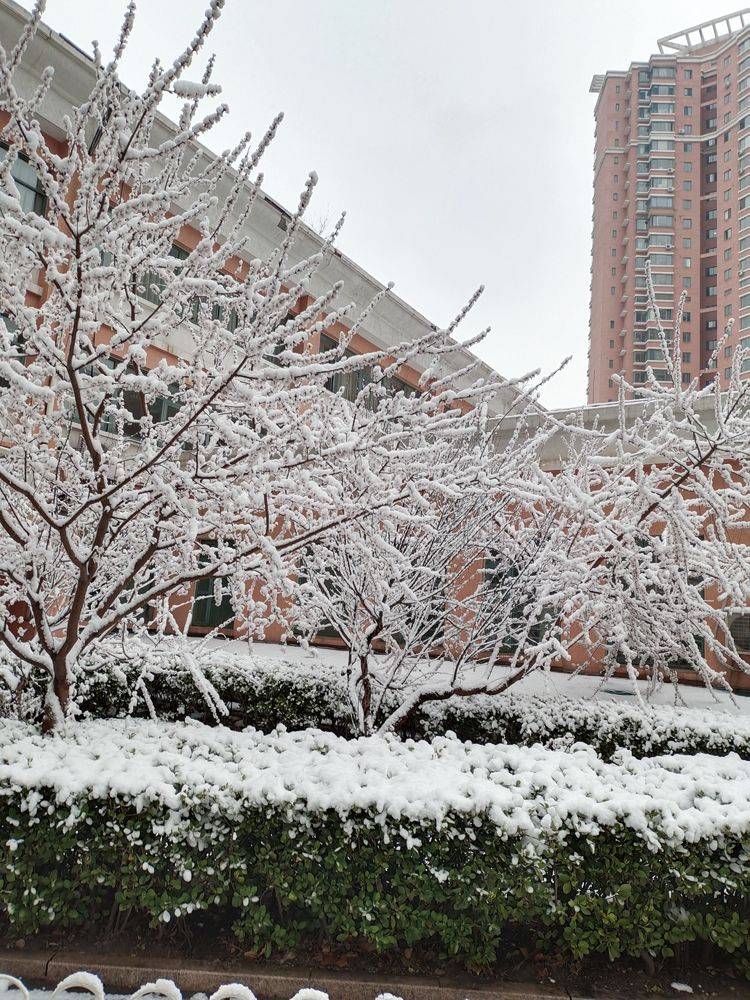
(672, 186)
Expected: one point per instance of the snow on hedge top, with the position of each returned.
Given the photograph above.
(529, 791)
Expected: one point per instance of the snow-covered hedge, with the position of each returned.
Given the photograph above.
(555, 720)
(264, 692)
(289, 836)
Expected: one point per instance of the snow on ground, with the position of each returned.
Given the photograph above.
(541, 682)
(162, 988)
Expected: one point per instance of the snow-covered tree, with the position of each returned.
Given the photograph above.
(428, 596)
(162, 414)
(632, 545)
(657, 513)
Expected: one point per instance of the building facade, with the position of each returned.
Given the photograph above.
(672, 187)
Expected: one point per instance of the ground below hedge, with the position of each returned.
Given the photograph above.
(213, 947)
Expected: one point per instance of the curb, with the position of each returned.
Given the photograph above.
(266, 981)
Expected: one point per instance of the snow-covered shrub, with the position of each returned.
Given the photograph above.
(396, 843)
(256, 691)
(605, 725)
(299, 693)
(264, 693)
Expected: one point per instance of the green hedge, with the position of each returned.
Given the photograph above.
(294, 838)
(265, 692)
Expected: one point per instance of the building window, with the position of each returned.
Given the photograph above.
(24, 176)
(18, 350)
(151, 285)
(739, 629)
(206, 612)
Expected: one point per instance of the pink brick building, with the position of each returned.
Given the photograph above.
(672, 186)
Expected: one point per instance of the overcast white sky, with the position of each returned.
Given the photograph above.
(457, 134)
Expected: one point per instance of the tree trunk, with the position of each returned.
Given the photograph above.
(366, 700)
(58, 696)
